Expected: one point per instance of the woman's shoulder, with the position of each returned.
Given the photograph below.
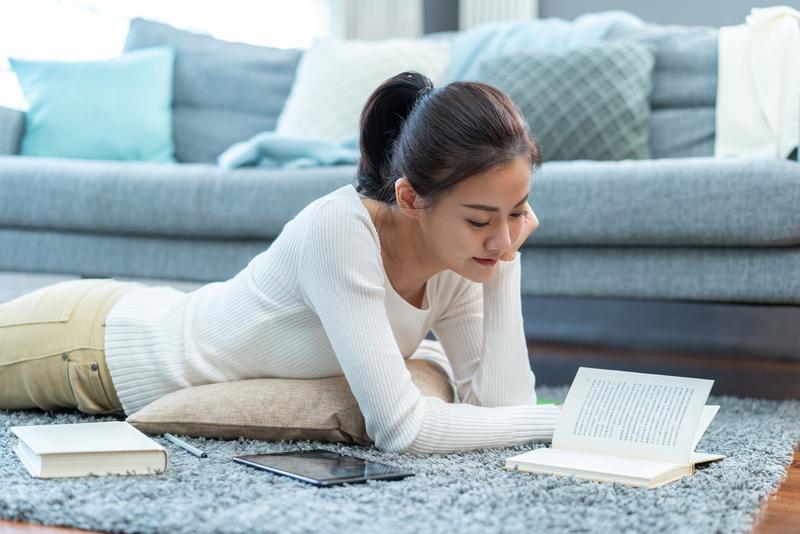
(339, 216)
(344, 200)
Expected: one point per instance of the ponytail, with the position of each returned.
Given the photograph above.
(437, 139)
(382, 121)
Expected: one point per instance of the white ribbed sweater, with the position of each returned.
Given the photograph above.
(318, 303)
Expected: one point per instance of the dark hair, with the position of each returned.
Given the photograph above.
(437, 137)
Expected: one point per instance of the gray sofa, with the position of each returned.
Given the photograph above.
(679, 226)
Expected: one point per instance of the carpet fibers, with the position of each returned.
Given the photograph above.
(463, 492)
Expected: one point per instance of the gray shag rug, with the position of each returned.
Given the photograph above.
(463, 492)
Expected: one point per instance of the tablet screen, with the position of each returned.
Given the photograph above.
(323, 465)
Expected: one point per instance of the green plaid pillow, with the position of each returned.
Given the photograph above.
(585, 103)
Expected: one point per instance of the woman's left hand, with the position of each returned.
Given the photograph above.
(529, 224)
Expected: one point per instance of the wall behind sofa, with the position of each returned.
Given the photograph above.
(692, 12)
(442, 15)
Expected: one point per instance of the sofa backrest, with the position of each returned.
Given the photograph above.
(223, 92)
(682, 120)
(12, 125)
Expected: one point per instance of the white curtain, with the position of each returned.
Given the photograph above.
(378, 19)
(85, 30)
(472, 13)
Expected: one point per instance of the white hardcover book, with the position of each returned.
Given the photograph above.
(71, 450)
(633, 428)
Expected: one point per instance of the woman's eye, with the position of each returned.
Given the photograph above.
(481, 225)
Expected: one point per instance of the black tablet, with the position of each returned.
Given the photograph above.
(322, 468)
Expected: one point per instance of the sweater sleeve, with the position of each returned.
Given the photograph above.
(482, 334)
(341, 278)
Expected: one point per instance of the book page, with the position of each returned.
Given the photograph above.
(572, 461)
(703, 457)
(635, 415)
(708, 413)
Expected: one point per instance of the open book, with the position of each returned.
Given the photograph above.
(71, 450)
(633, 428)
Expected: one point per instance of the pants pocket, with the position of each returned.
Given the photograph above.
(36, 383)
(51, 304)
(90, 394)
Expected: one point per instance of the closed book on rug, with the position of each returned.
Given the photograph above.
(633, 428)
(80, 449)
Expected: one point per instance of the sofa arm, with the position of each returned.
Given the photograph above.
(12, 125)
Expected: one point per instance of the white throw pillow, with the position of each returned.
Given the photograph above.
(336, 77)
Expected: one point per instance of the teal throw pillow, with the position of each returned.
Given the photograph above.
(585, 103)
(119, 109)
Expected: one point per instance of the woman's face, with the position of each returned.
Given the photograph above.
(480, 218)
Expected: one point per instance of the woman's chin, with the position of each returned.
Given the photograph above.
(478, 273)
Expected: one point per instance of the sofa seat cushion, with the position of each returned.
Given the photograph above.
(141, 199)
(669, 202)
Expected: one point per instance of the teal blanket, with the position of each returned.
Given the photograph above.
(269, 149)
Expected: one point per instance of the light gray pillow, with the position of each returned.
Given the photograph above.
(585, 103)
(223, 93)
(12, 125)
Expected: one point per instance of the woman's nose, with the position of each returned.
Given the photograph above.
(534, 220)
(501, 239)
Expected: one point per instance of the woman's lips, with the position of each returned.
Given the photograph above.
(487, 262)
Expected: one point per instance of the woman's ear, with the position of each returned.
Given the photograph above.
(408, 202)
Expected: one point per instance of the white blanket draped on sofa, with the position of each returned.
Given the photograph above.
(758, 93)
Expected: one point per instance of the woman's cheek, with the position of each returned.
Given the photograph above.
(465, 240)
(516, 230)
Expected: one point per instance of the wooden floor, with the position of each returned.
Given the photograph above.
(9, 527)
(780, 514)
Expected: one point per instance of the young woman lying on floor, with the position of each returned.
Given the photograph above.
(428, 240)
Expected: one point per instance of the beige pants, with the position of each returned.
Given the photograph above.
(52, 347)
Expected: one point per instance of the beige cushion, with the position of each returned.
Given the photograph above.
(274, 409)
(326, 105)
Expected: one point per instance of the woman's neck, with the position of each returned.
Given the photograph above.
(402, 250)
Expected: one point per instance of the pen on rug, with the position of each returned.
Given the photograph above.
(183, 445)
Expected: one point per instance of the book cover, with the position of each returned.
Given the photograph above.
(113, 447)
